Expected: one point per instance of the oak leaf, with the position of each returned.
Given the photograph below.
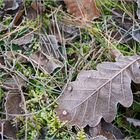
(96, 93)
(85, 9)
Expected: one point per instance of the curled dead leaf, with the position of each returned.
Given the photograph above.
(17, 18)
(110, 128)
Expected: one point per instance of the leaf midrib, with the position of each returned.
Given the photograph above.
(107, 82)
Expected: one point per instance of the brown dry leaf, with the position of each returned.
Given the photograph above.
(18, 18)
(46, 60)
(49, 45)
(96, 93)
(9, 130)
(14, 102)
(40, 60)
(34, 10)
(31, 13)
(85, 9)
(13, 105)
(107, 130)
(68, 32)
(10, 84)
(98, 130)
(113, 130)
(45, 64)
(38, 6)
(26, 39)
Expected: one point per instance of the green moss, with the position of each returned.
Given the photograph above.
(50, 3)
(27, 3)
(1, 3)
(81, 135)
